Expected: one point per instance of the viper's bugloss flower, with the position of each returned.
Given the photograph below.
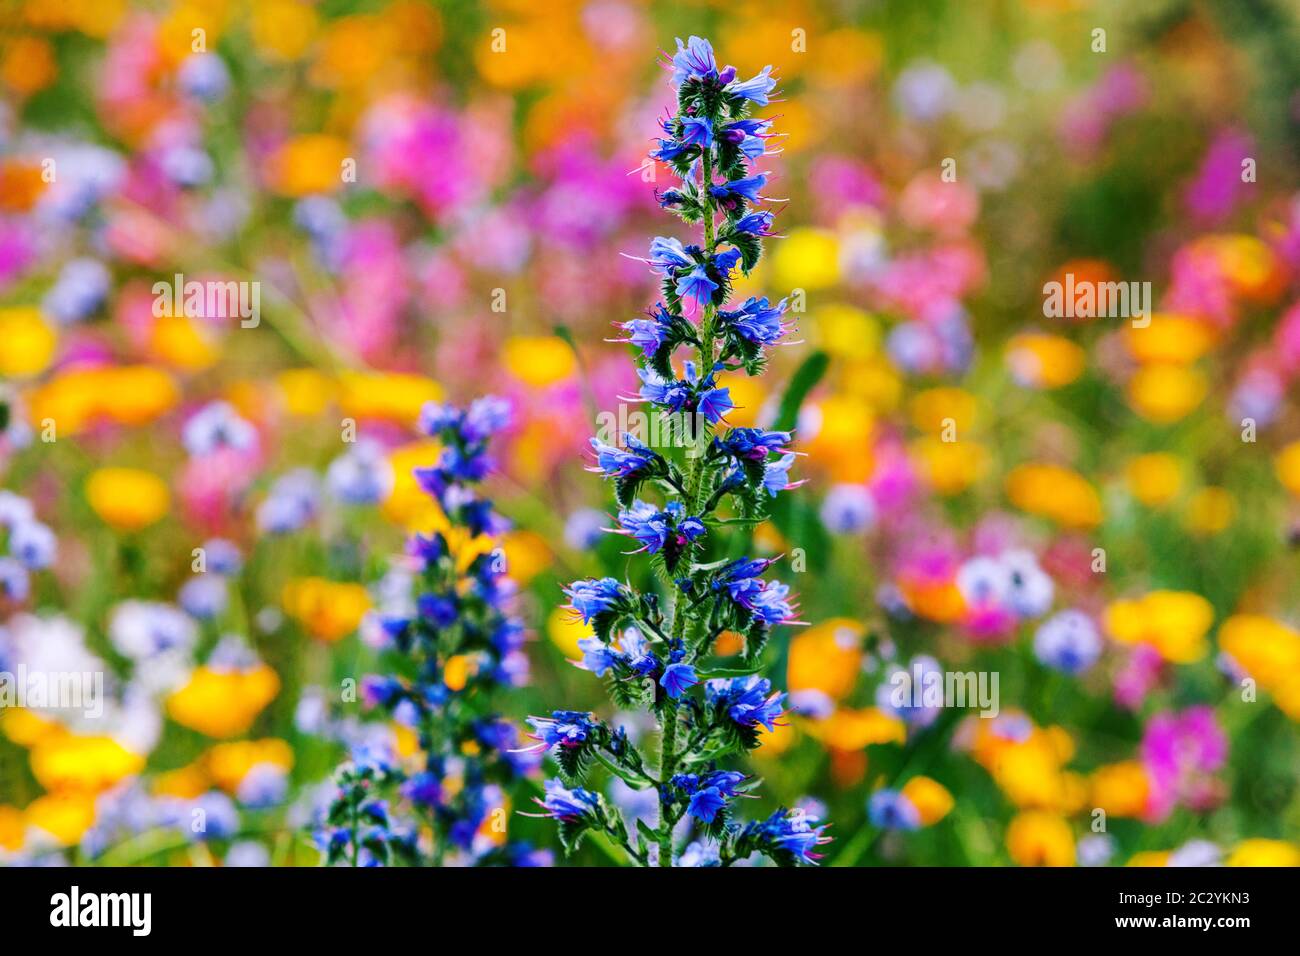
(755, 223)
(758, 321)
(669, 255)
(635, 458)
(594, 596)
(754, 444)
(576, 805)
(677, 678)
(654, 528)
(696, 285)
(746, 700)
(697, 131)
(756, 88)
(564, 728)
(776, 475)
(694, 61)
(788, 834)
(710, 143)
(746, 188)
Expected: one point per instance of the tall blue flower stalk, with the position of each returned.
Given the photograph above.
(656, 648)
(457, 647)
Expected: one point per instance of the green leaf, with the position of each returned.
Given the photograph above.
(805, 379)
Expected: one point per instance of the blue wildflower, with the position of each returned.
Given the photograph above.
(594, 596)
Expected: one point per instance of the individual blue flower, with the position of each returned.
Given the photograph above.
(597, 656)
(754, 444)
(567, 805)
(564, 728)
(727, 260)
(360, 476)
(217, 426)
(697, 131)
(694, 61)
(756, 223)
(594, 596)
(203, 76)
(634, 459)
(668, 255)
(203, 596)
(758, 321)
(677, 678)
(221, 556)
(746, 188)
(485, 417)
(890, 810)
(34, 544)
(15, 584)
(776, 475)
(668, 150)
(705, 804)
(81, 288)
(1068, 641)
(788, 834)
(848, 509)
(714, 403)
(696, 286)
(755, 89)
(746, 700)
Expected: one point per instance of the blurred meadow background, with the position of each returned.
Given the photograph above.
(437, 200)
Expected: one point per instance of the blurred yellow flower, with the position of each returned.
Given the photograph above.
(845, 331)
(227, 764)
(1169, 338)
(11, 828)
(1054, 492)
(128, 499)
(127, 395)
(65, 816)
(188, 782)
(1149, 858)
(29, 342)
(1260, 852)
(853, 729)
(1210, 511)
(1163, 393)
(527, 555)
(283, 29)
(808, 259)
(308, 164)
(1174, 623)
(842, 441)
(27, 64)
(930, 798)
(1121, 789)
(90, 764)
(391, 396)
(949, 467)
(1038, 360)
(1268, 651)
(1035, 838)
(1287, 466)
(539, 360)
(1248, 263)
(826, 657)
(182, 343)
(329, 610)
(1154, 479)
(223, 703)
(565, 629)
(305, 391)
(407, 504)
(944, 411)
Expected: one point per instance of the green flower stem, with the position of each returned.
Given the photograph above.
(694, 479)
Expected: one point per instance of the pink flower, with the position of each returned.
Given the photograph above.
(1181, 752)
